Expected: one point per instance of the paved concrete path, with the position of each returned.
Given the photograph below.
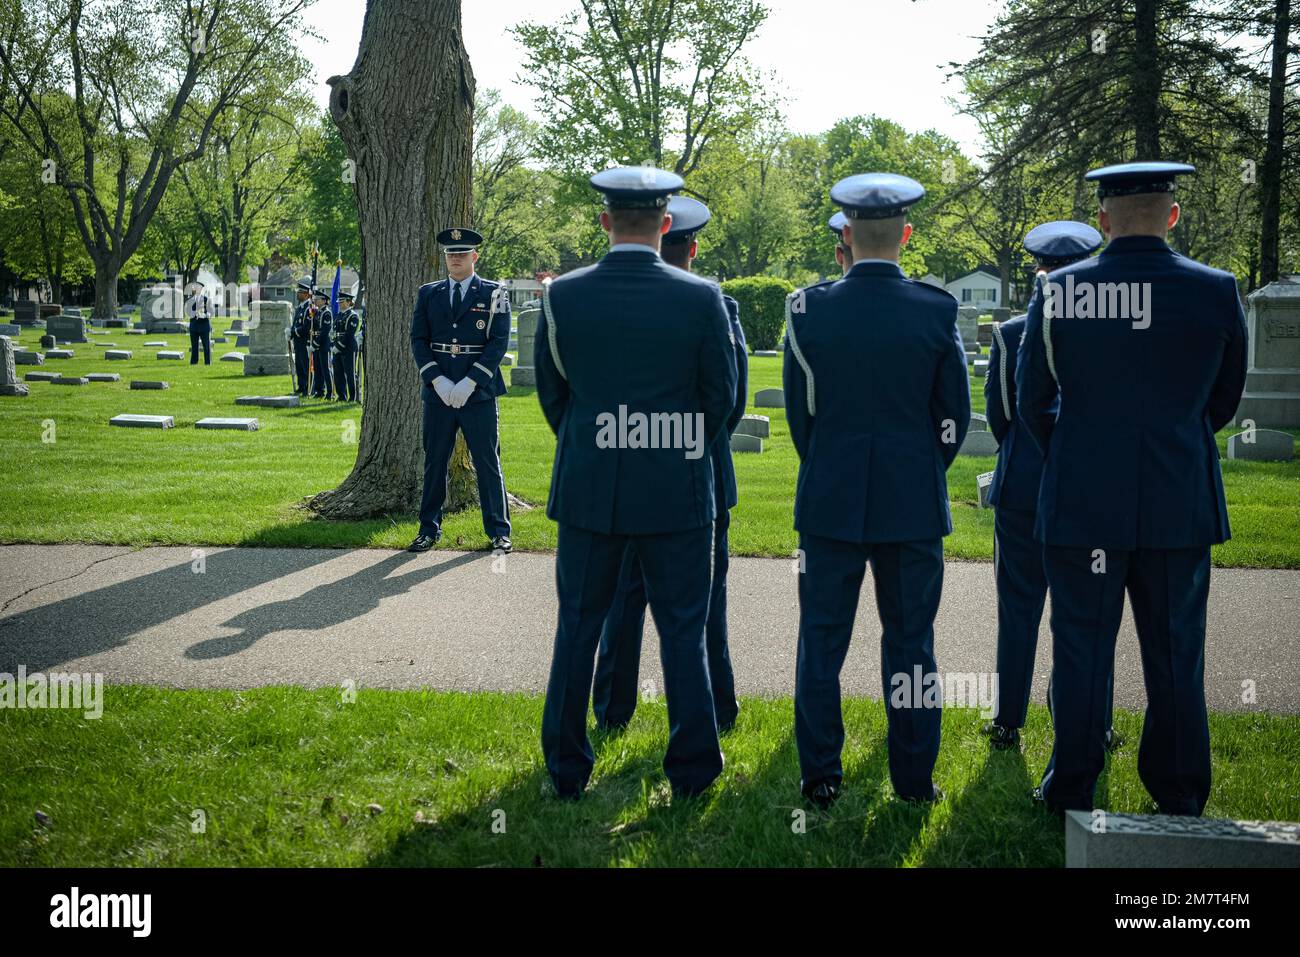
(464, 620)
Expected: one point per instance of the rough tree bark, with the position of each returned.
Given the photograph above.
(405, 113)
(1270, 174)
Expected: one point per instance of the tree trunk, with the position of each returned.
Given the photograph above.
(1270, 174)
(405, 114)
(105, 291)
(1146, 82)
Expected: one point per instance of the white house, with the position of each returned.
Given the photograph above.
(982, 289)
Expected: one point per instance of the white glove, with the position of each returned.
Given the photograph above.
(460, 393)
(443, 386)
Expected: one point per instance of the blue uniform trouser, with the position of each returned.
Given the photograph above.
(613, 696)
(345, 375)
(478, 422)
(320, 379)
(908, 580)
(675, 567)
(200, 333)
(1022, 591)
(1168, 590)
(301, 365)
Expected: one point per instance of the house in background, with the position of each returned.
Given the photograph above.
(282, 285)
(981, 288)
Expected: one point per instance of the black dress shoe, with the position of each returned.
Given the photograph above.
(822, 793)
(1041, 800)
(501, 544)
(935, 796)
(1004, 739)
(424, 542)
(1114, 741)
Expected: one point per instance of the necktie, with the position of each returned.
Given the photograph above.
(455, 300)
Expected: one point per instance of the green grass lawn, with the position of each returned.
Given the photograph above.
(284, 776)
(184, 486)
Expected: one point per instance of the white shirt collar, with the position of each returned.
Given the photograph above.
(633, 248)
(464, 285)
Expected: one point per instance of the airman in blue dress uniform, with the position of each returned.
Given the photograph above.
(459, 332)
(1017, 558)
(322, 385)
(1146, 350)
(344, 348)
(300, 336)
(627, 342)
(878, 402)
(614, 693)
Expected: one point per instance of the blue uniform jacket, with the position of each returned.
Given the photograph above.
(633, 332)
(345, 331)
(300, 330)
(878, 402)
(483, 320)
(1020, 463)
(324, 326)
(1131, 460)
(724, 471)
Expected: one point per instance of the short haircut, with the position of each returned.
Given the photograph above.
(676, 254)
(638, 222)
(1140, 212)
(877, 233)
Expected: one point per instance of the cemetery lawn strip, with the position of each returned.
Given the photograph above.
(67, 476)
(284, 776)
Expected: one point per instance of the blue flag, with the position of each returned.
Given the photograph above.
(334, 293)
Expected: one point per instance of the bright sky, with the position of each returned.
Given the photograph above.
(897, 57)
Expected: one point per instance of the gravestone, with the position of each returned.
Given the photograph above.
(25, 312)
(9, 384)
(106, 345)
(118, 322)
(978, 422)
(136, 332)
(217, 422)
(979, 443)
(143, 421)
(236, 325)
(59, 353)
(41, 376)
(767, 353)
(1272, 396)
(1000, 315)
(117, 354)
(241, 340)
(70, 380)
(985, 334)
(757, 425)
(983, 482)
(968, 321)
(10, 329)
(507, 360)
(769, 399)
(525, 373)
(980, 367)
(157, 342)
(1162, 840)
(162, 308)
(71, 310)
(270, 401)
(24, 358)
(220, 340)
(1262, 445)
(48, 342)
(171, 355)
(740, 442)
(48, 309)
(144, 384)
(232, 357)
(103, 377)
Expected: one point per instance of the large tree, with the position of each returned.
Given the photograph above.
(641, 81)
(405, 115)
(149, 80)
